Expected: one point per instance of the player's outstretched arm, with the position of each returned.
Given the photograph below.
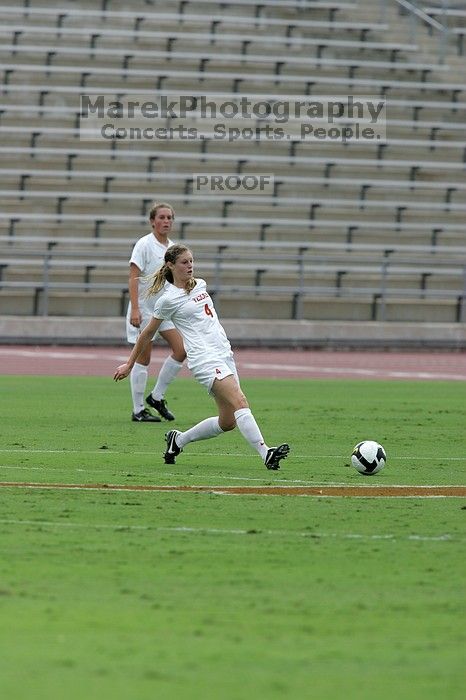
(144, 337)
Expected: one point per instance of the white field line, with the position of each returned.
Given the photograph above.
(221, 531)
(307, 369)
(160, 473)
(60, 355)
(223, 490)
(300, 482)
(357, 371)
(152, 453)
(219, 492)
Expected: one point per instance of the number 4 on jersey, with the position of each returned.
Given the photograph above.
(208, 311)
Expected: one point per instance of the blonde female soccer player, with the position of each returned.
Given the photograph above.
(186, 301)
(147, 257)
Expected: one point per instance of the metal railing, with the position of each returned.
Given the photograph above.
(418, 18)
(375, 276)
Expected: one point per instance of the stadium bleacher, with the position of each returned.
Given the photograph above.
(362, 230)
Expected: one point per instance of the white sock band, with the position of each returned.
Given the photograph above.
(167, 374)
(250, 430)
(207, 428)
(138, 381)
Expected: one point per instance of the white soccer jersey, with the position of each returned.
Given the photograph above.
(148, 254)
(195, 318)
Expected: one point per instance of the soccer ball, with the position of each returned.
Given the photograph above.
(368, 457)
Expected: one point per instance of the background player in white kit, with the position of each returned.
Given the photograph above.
(147, 257)
(186, 301)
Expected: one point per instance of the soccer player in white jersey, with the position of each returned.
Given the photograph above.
(186, 301)
(147, 257)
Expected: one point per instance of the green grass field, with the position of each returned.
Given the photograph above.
(143, 595)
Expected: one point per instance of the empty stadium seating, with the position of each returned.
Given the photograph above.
(358, 230)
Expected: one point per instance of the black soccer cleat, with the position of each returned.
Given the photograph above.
(160, 407)
(145, 416)
(172, 450)
(275, 454)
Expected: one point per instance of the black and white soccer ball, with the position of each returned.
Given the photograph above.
(368, 457)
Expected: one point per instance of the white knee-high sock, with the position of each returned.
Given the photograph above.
(207, 428)
(167, 374)
(250, 430)
(138, 381)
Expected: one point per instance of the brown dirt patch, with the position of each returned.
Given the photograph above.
(342, 491)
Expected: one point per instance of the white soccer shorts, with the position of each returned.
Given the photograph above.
(207, 372)
(132, 333)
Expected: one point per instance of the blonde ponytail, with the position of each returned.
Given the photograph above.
(163, 274)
